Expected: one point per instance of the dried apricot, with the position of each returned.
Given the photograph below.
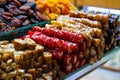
(55, 10)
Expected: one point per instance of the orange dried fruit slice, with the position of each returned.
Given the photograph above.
(50, 4)
(55, 10)
(53, 1)
(64, 1)
(47, 10)
(52, 15)
(65, 10)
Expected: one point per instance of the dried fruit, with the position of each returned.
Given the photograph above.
(53, 8)
(16, 23)
(57, 54)
(3, 2)
(67, 59)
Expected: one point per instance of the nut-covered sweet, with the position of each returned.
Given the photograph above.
(13, 73)
(9, 62)
(47, 76)
(45, 68)
(3, 65)
(28, 54)
(28, 76)
(18, 78)
(19, 44)
(3, 76)
(39, 49)
(47, 57)
(30, 43)
(18, 57)
(32, 72)
(6, 56)
(39, 72)
(11, 67)
(21, 72)
(4, 42)
(31, 64)
(40, 60)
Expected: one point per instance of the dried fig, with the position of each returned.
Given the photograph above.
(6, 17)
(21, 17)
(8, 14)
(17, 2)
(32, 5)
(27, 22)
(25, 7)
(16, 23)
(9, 0)
(13, 9)
(13, 3)
(31, 12)
(22, 12)
(23, 1)
(34, 21)
(40, 16)
(2, 11)
(2, 2)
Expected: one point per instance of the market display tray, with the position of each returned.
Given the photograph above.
(88, 68)
(10, 35)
